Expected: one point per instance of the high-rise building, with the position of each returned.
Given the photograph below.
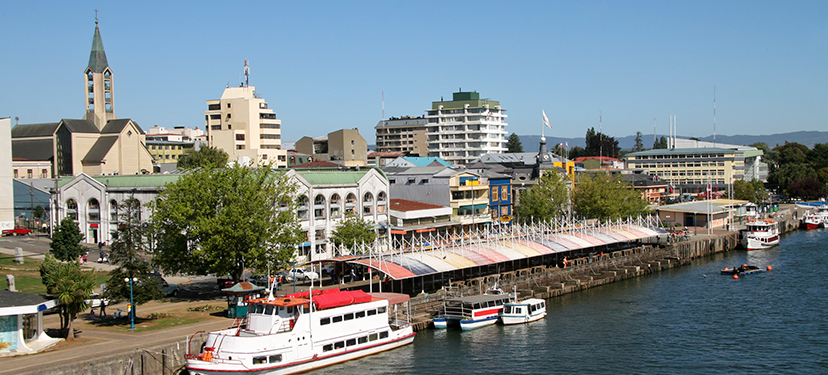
(404, 134)
(241, 124)
(463, 129)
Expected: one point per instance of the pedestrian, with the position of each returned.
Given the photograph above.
(353, 275)
(103, 307)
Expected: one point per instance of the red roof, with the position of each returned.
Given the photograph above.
(407, 205)
(318, 164)
(380, 154)
(601, 158)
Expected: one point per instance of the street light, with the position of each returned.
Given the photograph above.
(131, 302)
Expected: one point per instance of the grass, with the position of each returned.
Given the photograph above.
(165, 319)
(27, 275)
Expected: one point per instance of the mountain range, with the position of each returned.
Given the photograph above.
(808, 138)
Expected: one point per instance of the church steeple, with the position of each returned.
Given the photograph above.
(99, 84)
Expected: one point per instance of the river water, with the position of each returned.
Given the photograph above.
(688, 320)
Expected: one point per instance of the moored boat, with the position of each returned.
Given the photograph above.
(470, 312)
(816, 219)
(743, 270)
(304, 331)
(528, 310)
(760, 234)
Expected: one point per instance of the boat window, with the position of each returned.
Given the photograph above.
(518, 310)
(259, 360)
(363, 339)
(269, 310)
(372, 337)
(276, 358)
(349, 316)
(337, 319)
(327, 348)
(281, 309)
(305, 309)
(475, 306)
(372, 312)
(290, 309)
(259, 309)
(339, 345)
(381, 310)
(360, 314)
(324, 321)
(507, 309)
(384, 334)
(351, 342)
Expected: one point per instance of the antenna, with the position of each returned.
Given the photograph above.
(246, 73)
(600, 138)
(96, 17)
(655, 139)
(383, 106)
(714, 115)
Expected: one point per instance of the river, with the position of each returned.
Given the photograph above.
(687, 320)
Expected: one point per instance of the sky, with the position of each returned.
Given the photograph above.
(617, 66)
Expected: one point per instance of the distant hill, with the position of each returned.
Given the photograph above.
(809, 138)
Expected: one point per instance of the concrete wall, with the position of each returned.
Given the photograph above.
(6, 191)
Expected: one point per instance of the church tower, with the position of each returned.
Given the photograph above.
(99, 87)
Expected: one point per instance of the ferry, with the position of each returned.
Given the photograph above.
(305, 331)
(529, 310)
(760, 234)
(818, 219)
(471, 312)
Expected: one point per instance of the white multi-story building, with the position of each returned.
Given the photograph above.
(241, 124)
(465, 128)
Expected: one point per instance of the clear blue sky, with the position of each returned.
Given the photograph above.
(323, 65)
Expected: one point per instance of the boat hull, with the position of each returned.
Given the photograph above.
(477, 323)
(521, 319)
(440, 323)
(757, 244)
(197, 367)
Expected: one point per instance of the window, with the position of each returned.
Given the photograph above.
(351, 342)
(327, 348)
(381, 310)
(360, 314)
(213, 107)
(228, 105)
(29, 173)
(372, 312)
(276, 358)
(72, 209)
(259, 360)
(337, 319)
(504, 193)
(349, 316)
(363, 339)
(339, 345)
(372, 337)
(93, 210)
(384, 334)
(494, 194)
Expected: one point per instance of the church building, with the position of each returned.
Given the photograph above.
(100, 143)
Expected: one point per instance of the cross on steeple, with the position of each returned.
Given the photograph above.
(96, 17)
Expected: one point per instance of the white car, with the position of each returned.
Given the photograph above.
(303, 274)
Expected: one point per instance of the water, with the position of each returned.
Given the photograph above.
(688, 320)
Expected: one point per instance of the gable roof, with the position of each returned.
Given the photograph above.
(79, 126)
(99, 150)
(34, 130)
(32, 149)
(117, 126)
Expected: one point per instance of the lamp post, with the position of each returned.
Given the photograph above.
(131, 302)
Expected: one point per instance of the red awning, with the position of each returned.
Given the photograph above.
(93, 225)
(394, 270)
(394, 231)
(425, 230)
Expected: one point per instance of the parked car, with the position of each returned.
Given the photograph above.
(303, 274)
(170, 290)
(284, 276)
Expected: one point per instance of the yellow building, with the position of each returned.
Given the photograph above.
(691, 169)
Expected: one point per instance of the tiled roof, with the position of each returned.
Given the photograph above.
(80, 126)
(34, 130)
(32, 149)
(407, 205)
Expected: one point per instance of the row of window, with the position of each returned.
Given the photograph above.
(166, 147)
(351, 316)
(93, 210)
(44, 173)
(682, 164)
(696, 182)
(276, 358)
(679, 156)
(504, 193)
(166, 157)
(691, 173)
(355, 341)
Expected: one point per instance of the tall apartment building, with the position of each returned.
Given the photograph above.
(241, 124)
(404, 134)
(461, 130)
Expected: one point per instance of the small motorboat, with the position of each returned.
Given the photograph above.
(528, 310)
(743, 270)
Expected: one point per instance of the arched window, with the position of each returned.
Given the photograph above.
(319, 207)
(367, 203)
(335, 208)
(381, 201)
(113, 211)
(72, 209)
(350, 202)
(93, 210)
(302, 207)
(136, 210)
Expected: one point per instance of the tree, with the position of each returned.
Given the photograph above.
(353, 231)
(606, 197)
(69, 285)
(576, 152)
(822, 175)
(39, 213)
(753, 191)
(807, 189)
(787, 174)
(513, 144)
(661, 144)
(599, 144)
(205, 157)
(818, 156)
(639, 143)
(222, 220)
(129, 253)
(65, 245)
(547, 199)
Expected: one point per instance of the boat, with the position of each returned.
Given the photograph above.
(760, 234)
(816, 219)
(470, 312)
(743, 270)
(305, 331)
(529, 310)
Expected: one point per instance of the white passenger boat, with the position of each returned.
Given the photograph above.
(760, 234)
(816, 219)
(470, 312)
(301, 332)
(529, 310)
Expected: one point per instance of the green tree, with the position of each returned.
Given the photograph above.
(599, 144)
(661, 144)
(822, 175)
(605, 197)
(753, 191)
(548, 199)
(576, 152)
(787, 174)
(353, 231)
(129, 254)
(205, 157)
(65, 245)
(69, 285)
(513, 144)
(807, 189)
(818, 156)
(222, 220)
(639, 143)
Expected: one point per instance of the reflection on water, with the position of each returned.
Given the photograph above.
(687, 320)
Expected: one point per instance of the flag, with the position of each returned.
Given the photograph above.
(546, 119)
(567, 144)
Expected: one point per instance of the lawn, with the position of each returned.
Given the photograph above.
(175, 316)
(27, 275)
